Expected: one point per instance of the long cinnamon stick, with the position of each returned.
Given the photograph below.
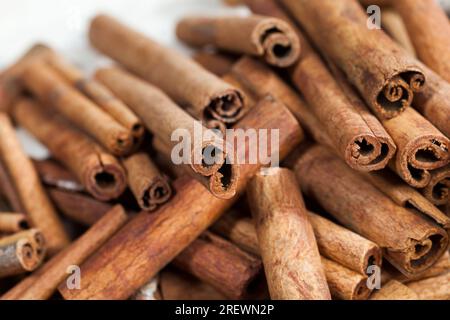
(204, 95)
(437, 288)
(54, 90)
(149, 186)
(437, 190)
(410, 242)
(163, 117)
(394, 290)
(385, 76)
(217, 63)
(12, 222)
(41, 284)
(254, 35)
(394, 25)
(54, 175)
(288, 247)
(99, 172)
(32, 196)
(144, 251)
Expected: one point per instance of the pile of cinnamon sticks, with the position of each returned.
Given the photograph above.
(359, 208)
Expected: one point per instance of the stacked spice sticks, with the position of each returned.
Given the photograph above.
(358, 210)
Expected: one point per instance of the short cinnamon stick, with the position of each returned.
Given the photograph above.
(203, 94)
(99, 172)
(32, 195)
(410, 242)
(12, 222)
(255, 35)
(437, 191)
(394, 290)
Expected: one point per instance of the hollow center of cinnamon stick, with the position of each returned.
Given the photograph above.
(427, 251)
(426, 155)
(105, 180)
(364, 147)
(226, 178)
(440, 190)
(279, 50)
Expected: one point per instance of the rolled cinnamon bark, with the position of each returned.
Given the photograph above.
(204, 95)
(41, 284)
(437, 191)
(429, 31)
(394, 290)
(148, 102)
(54, 175)
(385, 76)
(288, 247)
(136, 245)
(394, 25)
(8, 191)
(99, 172)
(221, 264)
(26, 182)
(255, 35)
(149, 186)
(12, 222)
(53, 89)
(437, 288)
(20, 253)
(217, 63)
(410, 242)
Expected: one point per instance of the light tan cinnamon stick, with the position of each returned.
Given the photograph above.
(12, 222)
(437, 288)
(254, 35)
(203, 94)
(394, 290)
(410, 242)
(163, 117)
(437, 191)
(286, 238)
(54, 90)
(385, 76)
(32, 196)
(149, 186)
(99, 172)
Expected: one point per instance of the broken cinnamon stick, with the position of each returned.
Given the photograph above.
(437, 190)
(32, 196)
(136, 245)
(288, 247)
(148, 102)
(394, 290)
(149, 186)
(99, 172)
(54, 90)
(41, 284)
(385, 76)
(255, 35)
(204, 95)
(12, 222)
(410, 242)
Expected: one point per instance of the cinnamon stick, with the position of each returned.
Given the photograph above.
(54, 90)
(394, 25)
(394, 290)
(8, 191)
(100, 172)
(218, 262)
(214, 62)
(20, 253)
(136, 246)
(288, 247)
(148, 102)
(12, 222)
(437, 190)
(32, 196)
(410, 242)
(54, 175)
(204, 95)
(385, 76)
(254, 35)
(437, 288)
(41, 284)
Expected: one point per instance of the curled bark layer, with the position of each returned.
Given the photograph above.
(437, 190)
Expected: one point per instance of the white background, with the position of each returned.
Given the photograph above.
(63, 25)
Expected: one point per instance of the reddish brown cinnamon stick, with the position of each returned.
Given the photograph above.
(52, 89)
(254, 35)
(8, 191)
(149, 186)
(99, 172)
(41, 284)
(286, 238)
(32, 196)
(203, 94)
(143, 251)
(437, 191)
(219, 64)
(394, 25)
(410, 242)
(12, 222)
(54, 175)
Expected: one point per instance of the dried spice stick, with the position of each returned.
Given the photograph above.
(410, 242)
(19, 253)
(36, 204)
(437, 288)
(203, 94)
(41, 284)
(429, 31)
(8, 191)
(143, 251)
(12, 222)
(51, 88)
(149, 186)
(54, 175)
(437, 190)
(215, 62)
(288, 247)
(394, 290)
(255, 35)
(99, 172)
(148, 102)
(394, 25)
(385, 76)
(220, 263)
